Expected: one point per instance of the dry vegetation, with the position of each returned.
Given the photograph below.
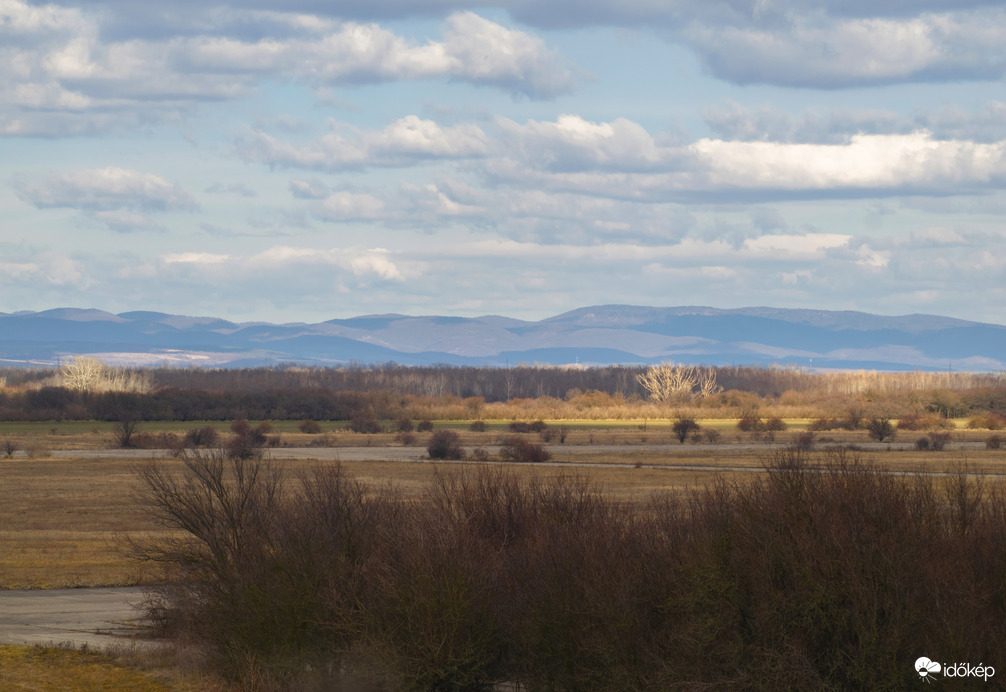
(63, 521)
(60, 669)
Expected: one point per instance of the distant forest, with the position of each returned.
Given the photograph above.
(295, 393)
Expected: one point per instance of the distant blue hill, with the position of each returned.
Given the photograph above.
(606, 334)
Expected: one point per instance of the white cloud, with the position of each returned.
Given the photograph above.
(407, 141)
(572, 143)
(484, 52)
(105, 189)
(61, 60)
(815, 50)
(47, 268)
(195, 258)
(280, 260)
(376, 262)
(126, 222)
(795, 246)
(349, 206)
(867, 161)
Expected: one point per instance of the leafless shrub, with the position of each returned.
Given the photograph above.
(939, 440)
(445, 444)
(804, 441)
(8, 447)
(683, 427)
(750, 422)
(519, 450)
(823, 572)
(206, 436)
(366, 424)
(708, 435)
(988, 421)
(880, 429)
(309, 427)
(37, 451)
(123, 431)
(824, 424)
(247, 442)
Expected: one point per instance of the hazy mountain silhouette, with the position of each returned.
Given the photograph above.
(600, 334)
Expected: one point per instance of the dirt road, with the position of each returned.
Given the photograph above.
(97, 617)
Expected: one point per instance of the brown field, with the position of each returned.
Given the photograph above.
(56, 669)
(63, 519)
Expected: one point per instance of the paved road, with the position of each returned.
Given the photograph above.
(97, 617)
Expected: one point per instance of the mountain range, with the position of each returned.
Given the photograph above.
(817, 339)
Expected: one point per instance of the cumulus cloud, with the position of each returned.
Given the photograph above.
(280, 259)
(816, 50)
(867, 162)
(125, 221)
(46, 269)
(106, 189)
(572, 143)
(349, 206)
(407, 141)
(597, 163)
(63, 61)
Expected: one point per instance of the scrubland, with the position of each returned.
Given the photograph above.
(809, 531)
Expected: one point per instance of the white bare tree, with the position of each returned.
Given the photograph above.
(81, 373)
(707, 385)
(669, 381)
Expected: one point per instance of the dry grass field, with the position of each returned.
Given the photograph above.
(57, 669)
(62, 519)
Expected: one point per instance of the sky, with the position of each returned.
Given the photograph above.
(311, 160)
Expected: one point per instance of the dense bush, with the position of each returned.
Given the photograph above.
(750, 422)
(803, 579)
(206, 436)
(309, 427)
(445, 444)
(364, 423)
(880, 429)
(683, 427)
(424, 426)
(520, 450)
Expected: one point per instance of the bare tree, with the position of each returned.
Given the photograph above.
(668, 380)
(81, 373)
(707, 385)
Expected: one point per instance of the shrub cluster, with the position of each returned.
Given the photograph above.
(445, 444)
(805, 579)
(520, 450)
